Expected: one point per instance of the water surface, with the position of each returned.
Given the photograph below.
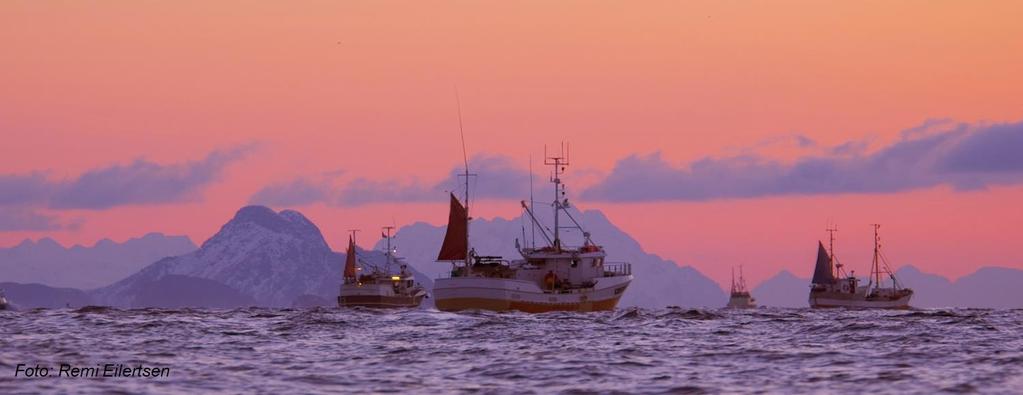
(632, 350)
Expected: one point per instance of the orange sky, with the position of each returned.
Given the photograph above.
(367, 88)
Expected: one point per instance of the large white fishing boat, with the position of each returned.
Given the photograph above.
(369, 285)
(832, 288)
(740, 297)
(554, 277)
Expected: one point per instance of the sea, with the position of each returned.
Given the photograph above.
(666, 351)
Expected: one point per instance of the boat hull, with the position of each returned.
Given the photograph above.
(741, 302)
(378, 301)
(378, 296)
(498, 294)
(823, 300)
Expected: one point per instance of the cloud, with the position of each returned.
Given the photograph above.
(18, 189)
(936, 153)
(297, 192)
(144, 182)
(497, 177)
(14, 219)
(139, 182)
(997, 149)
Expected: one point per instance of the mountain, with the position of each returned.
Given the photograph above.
(658, 282)
(259, 257)
(929, 290)
(783, 290)
(30, 296)
(47, 262)
(167, 292)
(270, 257)
(990, 287)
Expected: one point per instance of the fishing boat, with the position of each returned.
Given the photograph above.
(831, 287)
(369, 285)
(551, 277)
(740, 297)
(4, 304)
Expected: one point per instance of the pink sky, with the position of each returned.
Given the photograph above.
(365, 88)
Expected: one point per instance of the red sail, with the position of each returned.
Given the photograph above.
(350, 259)
(457, 237)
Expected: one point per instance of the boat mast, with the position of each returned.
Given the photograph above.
(733, 279)
(465, 159)
(742, 280)
(876, 269)
(532, 227)
(831, 249)
(388, 229)
(559, 163)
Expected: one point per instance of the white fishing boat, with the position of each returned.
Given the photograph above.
(368, 285)
(832, 288)
(553, 277)
(4, 304)
(740, 297)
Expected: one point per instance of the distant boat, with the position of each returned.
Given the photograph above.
(832, 288)
(740, 297)
(554, 277)
(378, 287)
(4, 304)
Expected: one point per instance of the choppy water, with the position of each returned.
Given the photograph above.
(643, 351)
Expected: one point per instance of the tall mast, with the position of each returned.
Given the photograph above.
(831, 247)
(742, 280)
(389, 256)
(465, 159)
(532, 227)
(559, 163)
(876, 269)
(733, 279)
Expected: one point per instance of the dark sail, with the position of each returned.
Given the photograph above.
(822, 273)
(457, 237)
(350, 259)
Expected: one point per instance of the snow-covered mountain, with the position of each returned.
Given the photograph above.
(270, 257)
(658, 282)
(47, 262)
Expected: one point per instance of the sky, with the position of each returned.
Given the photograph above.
(716, 133)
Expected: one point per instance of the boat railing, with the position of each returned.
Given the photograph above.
(615, 269)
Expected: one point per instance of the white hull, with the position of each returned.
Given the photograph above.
(502, 294)
(378, 295)
(859, 303)
(741, 302)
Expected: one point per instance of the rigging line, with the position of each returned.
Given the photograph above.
(461, 132)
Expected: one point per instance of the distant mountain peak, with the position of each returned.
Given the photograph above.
(48, 242)
(272, 257)
(250, 219)
(785, 273)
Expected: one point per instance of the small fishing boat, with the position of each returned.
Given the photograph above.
(369, 285)
(740, 297)
(831, 287)
(553, 277)
(4, 304)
